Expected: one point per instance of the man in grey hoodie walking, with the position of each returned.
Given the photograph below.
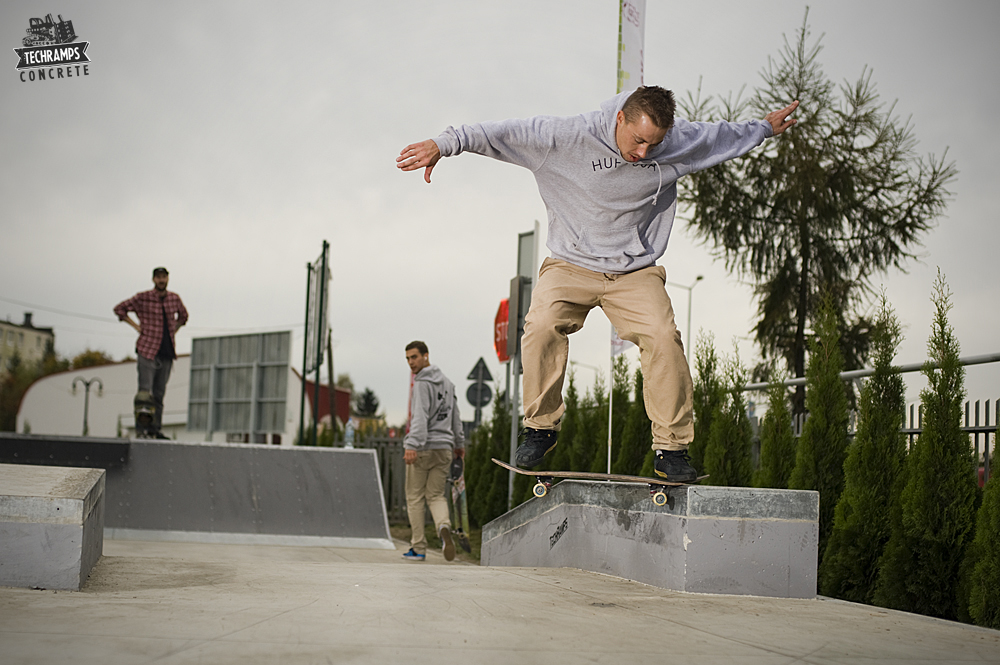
(608, 180)
(434, 436)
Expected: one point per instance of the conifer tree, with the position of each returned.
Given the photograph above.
(487, 482)
(822, 447)
(591, 433)
(598, 436)
(842, 197)
(560, 457)
(728, 453)
(621, 387)
(983, 581)
(933, 525)
(709, 393)
(777, 440)
(861, 524)
(637, 437)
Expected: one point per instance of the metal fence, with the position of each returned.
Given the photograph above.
(913, 426)
(393, 472)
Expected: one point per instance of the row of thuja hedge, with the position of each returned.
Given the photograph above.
(903, 528)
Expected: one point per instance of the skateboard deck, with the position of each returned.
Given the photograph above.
(459, 505)
(657, 486)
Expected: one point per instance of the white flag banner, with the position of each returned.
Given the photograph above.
(618, 345)
(631, 31)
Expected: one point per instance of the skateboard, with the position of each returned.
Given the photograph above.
(459, 504)
(145, 415)
(657, 488)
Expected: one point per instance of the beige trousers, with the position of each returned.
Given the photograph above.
(425, 480)
(638, 306)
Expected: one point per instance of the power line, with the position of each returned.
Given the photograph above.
(103, 319)
(59, 311)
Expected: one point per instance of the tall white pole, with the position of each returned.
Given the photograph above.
(611, 399)
(514, 413)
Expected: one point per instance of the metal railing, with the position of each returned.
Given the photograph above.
(913, 426)
(868, 371)
(393, 471)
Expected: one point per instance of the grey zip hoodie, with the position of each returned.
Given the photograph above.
(434, 420)
(605, 213)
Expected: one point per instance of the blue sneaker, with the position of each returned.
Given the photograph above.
(413, 556)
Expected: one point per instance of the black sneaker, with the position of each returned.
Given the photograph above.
(675, 466)
(537, 442)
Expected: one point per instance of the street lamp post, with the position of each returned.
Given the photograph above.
(689, 290)
(86, 396)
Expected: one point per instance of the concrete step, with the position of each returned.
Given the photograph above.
(51, 525)
(729, 540)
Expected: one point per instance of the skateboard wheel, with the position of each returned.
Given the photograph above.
(540, 490)
(660, 498)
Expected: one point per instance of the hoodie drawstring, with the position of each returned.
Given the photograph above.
(659, 186)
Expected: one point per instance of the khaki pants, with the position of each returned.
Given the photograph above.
(638, 306)
(425, 480)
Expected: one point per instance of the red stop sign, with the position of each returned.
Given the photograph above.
(500, 331)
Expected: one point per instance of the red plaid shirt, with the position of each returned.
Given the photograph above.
(149, 308)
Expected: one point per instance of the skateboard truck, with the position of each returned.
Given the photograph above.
(542, 485)
(658, 494)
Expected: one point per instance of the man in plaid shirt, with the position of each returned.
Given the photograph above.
(160, 313)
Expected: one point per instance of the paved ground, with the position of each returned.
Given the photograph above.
(188, 603)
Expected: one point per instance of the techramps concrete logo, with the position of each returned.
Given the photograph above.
(50, 52)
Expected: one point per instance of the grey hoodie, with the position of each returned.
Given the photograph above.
(605, 213)
(434, 420)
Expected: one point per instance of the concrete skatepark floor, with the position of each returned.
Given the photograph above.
(198, 603)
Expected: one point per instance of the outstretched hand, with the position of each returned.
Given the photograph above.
(419, 155)
(779, 119)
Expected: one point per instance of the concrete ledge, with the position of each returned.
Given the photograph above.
(249, 539)
(731, 540)
(51, 525)
(89, 452)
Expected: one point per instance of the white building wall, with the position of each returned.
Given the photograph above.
(50, 407)
(29, 343)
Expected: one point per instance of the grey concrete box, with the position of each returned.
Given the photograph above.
(733, 540)
(51, 525)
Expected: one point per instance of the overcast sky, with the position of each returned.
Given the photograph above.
(227, 140)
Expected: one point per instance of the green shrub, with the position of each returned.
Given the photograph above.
(861, 524)
(822, 447)
(728, 453)
(984, 561)
(709, 394)
(777, 441)
(933, 524)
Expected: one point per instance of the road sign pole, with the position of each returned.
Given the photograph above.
(514, 413)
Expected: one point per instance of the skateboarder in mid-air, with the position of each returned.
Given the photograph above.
(608, 179)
